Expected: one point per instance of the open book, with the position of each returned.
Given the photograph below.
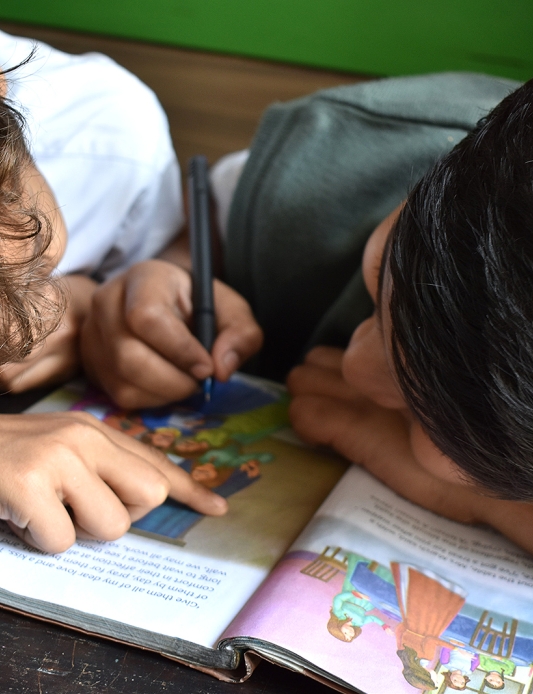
(317, 567)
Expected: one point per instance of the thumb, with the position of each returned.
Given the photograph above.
(239, 335)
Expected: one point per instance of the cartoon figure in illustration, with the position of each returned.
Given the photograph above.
(126, 422)
(496, 669)
(349, 614)
(460, 663)
(218, 466)
(226, 471)
(456, 680)
(428, 604)
(414, 671)
(351, 609)
(163, 438)
(494, 680)
(209, 444)
(187, 448)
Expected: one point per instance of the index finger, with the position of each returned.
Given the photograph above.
(181, 485)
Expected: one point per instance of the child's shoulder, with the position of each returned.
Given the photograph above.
(67, 98)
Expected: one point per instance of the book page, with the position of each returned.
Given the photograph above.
(177, 572)
(389, 597)
(139, 582)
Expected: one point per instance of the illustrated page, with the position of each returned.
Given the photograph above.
(391, 598)
(177, 572)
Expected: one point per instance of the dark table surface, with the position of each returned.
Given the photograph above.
(41, 658)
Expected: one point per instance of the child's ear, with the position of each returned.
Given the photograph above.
(3, 85)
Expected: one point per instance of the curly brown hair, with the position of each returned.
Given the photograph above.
(31, 302)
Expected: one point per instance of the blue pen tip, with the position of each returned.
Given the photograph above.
(208, 387)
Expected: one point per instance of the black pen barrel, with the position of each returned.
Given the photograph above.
(201, 256)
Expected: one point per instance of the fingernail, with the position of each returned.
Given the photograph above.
(220, 503)
(201, 371)
(231, 360)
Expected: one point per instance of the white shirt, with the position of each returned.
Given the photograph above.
(101, 139)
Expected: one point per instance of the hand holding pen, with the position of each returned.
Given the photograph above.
(138, 341)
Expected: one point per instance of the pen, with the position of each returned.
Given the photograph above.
(202, 265)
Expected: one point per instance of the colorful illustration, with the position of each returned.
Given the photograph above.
(397, 628)
(460, 663)
(207, 439)
(352, 609)
(428, 604)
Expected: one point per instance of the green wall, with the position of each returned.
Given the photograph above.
(386, 37)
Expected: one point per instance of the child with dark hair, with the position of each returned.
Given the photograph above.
(434, 392)
(322, 174)
(494, 680)
(497, 669)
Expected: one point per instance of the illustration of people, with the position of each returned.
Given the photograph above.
(460, 663)
(415, 672)
(208, 444)
(225, 471)
(206, 474)
(126, 422)
(351, 609)
(349, 614)
(189, 447)
(496, 669)
(494, 679)
(428, 604)
(162, 438)
(252, 466)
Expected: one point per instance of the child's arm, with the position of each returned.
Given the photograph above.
(64, 475)
(326, 410)
(137, 342)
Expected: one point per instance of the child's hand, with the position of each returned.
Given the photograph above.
(137, 344)
(326, 410)
(51, 462)
(57, 359)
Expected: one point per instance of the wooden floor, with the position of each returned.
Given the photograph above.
(213, 101)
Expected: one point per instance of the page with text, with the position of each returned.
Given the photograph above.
(179, 573)
(389, 597)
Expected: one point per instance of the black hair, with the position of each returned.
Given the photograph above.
(461, 267)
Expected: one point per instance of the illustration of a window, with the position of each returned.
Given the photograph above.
(488, 639)
(326, 565)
